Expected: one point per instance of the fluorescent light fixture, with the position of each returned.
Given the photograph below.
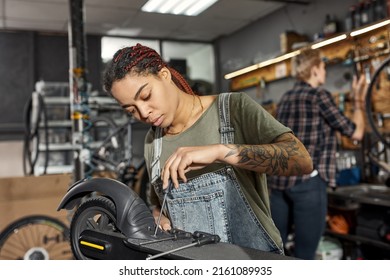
(177, 7)
(152, 5)
(278, 59)
(199, 7)
(182, 7)
(168, 6)
(241, 71)
(261, 64)
(329, 41)
(369, 28)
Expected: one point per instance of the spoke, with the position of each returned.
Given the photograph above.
(35, 239)
(22, 238)
(11, 254)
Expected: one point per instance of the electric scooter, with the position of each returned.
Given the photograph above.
(111, 222)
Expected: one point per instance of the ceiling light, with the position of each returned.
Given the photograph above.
(261, 64)
(329, 41)
(177, 7)
(241, 71)
(369, 28)
(278, 59)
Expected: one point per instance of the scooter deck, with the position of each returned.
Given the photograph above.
(215, 251)
(115, 246)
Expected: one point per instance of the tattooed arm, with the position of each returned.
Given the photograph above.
(285, 156)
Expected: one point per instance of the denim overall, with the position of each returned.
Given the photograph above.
(213, 202)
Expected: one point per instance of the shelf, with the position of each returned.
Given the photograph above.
(57, 147)
(57, 124)
(280, 67)
(359, 239)
(93, 101)
(60, 169)
(362, 194)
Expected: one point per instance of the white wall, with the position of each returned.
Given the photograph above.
(202, 64)
(11, 160)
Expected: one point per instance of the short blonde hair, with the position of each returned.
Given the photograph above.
(304, 62)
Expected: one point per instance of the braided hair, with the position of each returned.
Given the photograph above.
(140, 60)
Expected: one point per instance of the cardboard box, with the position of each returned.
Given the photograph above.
(288, 39)
(32, 195)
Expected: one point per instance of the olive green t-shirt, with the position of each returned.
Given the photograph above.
(253, 125)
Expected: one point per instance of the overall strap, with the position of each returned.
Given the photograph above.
(157, 148)
(226, 130)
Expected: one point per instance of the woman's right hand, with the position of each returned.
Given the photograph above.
(186, 159)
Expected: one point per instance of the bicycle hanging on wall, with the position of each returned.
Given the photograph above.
(113, 156)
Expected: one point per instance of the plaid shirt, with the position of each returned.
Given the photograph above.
(314, 118)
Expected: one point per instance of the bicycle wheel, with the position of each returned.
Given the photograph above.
(378, 102)
(97, 213)
(35, 237)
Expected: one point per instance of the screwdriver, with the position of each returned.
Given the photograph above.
(176, 235)
(166, 191)
(202, 239)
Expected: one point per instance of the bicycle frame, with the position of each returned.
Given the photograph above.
(126, 168)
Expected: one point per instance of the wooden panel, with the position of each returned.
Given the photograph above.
(21, 196)
(268, 73)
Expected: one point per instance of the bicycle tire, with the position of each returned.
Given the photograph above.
(107, 124)
(35, 237)
(369, 101)
(111, 149)
(97, 213)
(32, 137)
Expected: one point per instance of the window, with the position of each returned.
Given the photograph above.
(195, 61)
(111, 44)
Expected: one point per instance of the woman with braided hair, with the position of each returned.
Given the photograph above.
(216, 151)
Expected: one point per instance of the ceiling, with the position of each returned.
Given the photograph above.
(124, 17)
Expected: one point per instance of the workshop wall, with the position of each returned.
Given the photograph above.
(27, 57)
(261, 40)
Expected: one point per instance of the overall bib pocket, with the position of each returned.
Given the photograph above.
(204, 212)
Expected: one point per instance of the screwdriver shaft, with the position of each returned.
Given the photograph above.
(162, 208)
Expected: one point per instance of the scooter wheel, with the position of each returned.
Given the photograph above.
(96, 213)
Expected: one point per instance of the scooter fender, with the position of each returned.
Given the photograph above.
(132, 214)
